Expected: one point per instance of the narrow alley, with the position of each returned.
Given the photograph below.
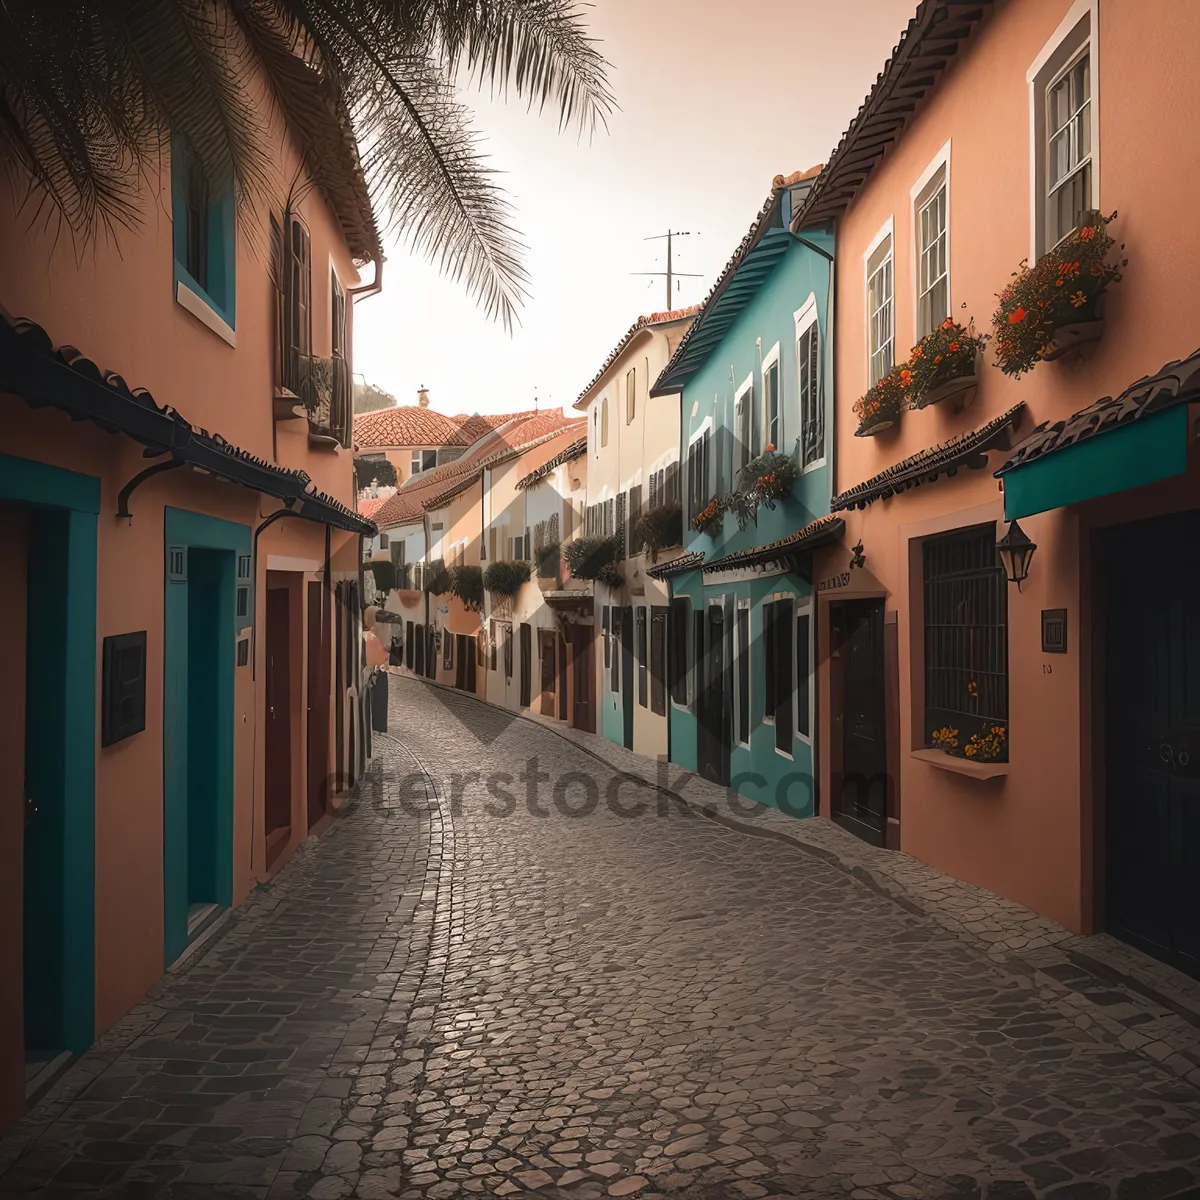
(465, 989)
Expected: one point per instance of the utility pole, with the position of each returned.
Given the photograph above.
(670, 272)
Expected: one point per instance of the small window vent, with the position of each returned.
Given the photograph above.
(177, 564)
(243, 651)
(243, 602)
(124, 687)
(243, 566)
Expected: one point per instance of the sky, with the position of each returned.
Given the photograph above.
(715, 97)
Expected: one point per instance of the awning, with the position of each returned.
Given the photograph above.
(676, 566)
(1137, 438)
(788, 553)
(30, 367)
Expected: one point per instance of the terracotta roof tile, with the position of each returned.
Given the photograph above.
(407, 504)
(406, 425)
(655, 318)
(575, 450)
(781, 181)
(368, 506)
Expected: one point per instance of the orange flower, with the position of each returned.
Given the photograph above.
(937, 358)
(954, 347)
(1087, 233)
(768, 447)
(906, 377)
(918, 352)
(1017, 316)
(948, 323)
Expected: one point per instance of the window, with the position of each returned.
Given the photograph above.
(699, 459)
(966, 634)
(605, 617)
(658, 659)
(880, 312)
(931, 219)
(619, 528)
(604, 421)
(808, 385)
(123, 689)
(506, 634)
(492, 640)
(408, 645)
(630, 393)
(777, 670)
(296, 304)
(614, 637)
(697, 652)
(526, 664)
(668, 484)
(340, 402)
(1065, 129)
(804, 681)
(742, 653)
(772, 423)
(635, 511)
(743, 426)
(203, 241)
(677, 657)
(447, 649)
(423, 460)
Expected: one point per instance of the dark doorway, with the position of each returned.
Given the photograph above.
(713, 726)
(418, 644)
(461, 656)
(561, 644)
(860, 779)
(549, 675)
(526, 664)
(627, 677)
(585, 713)
(318, 701)
(279, 720)
(1152, 660)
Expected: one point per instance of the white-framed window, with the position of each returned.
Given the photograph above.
(805, 678)
(931, 244)
(779, 684)
(699, 468)
(741, 674)
(423, 460)
(743, 424)
(881, 308)
(1064, 124)
(810, 400)
(772, 404)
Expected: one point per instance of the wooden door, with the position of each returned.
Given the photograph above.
(526, 664)
(626, 648)
(461, 655)
(1152, 656)
(318, 701)
(714, 726)
(861, 785)
(279, 716)
(585, 685)
(546, 642)
(560, 643)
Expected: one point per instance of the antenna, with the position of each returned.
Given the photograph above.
(670, 272)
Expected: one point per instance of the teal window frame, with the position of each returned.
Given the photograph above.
(220, 291)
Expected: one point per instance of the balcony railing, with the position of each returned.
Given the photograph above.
(322, 386)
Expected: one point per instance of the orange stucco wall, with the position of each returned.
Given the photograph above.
(116, 304)
(1027, 836)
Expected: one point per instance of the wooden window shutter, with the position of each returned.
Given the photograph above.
(653, 498)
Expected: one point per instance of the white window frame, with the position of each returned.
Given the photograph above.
(803, 606)
(744, 388)
(805, 318)
(771, 359)
(887, 231)
(737, 666)
(1076, 33)
(940, 162)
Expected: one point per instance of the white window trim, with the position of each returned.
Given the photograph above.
(802, 607)
(888, 229)
(940, 159)
(803, 319)
(1080, 11)
(737, 666)
(747, 385)
(204, 312)
(771, 358)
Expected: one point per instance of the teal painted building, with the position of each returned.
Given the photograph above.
(754, 376)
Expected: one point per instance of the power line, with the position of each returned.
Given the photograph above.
(670, 272)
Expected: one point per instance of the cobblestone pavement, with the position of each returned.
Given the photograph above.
(474, 985)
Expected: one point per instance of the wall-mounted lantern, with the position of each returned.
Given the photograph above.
(1015, 551)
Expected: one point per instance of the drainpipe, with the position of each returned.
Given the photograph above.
(375, 286)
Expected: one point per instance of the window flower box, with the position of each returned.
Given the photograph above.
(944, 367)
(766, 479)
(1052, 309)
(711, 517)
(880, 407)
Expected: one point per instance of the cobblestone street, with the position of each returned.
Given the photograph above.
(471, 985)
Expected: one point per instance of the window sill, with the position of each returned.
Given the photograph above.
(204, 312)
(961, 766)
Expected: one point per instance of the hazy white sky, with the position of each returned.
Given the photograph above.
(716, 98)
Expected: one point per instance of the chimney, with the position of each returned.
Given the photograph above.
(423, 397)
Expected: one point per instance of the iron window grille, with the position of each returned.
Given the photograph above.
(966, 634)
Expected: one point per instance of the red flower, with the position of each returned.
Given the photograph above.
(1087, 233)
(1017, 316)
(948, 323)
(954, 347)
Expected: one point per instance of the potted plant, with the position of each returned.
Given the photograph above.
(467, 584)
(765, 479)
(658, 528)
(547, 561)
(944, 366)
(880, 407)
(505, 579)
(1053, 307)
(711, 517)
(593, 557)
